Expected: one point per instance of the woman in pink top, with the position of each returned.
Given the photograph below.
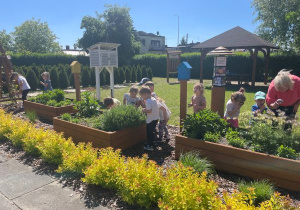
(284, 93)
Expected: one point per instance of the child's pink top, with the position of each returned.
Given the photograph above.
(289, 97)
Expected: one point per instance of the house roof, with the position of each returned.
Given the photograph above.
(104, 46)
(235, 38)
(142, 33)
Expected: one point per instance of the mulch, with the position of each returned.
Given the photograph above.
(163, 155)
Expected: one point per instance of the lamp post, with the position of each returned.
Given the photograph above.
(178, 30)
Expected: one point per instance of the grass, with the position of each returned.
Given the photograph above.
(170, 93)
(263, 190)
(193, 159)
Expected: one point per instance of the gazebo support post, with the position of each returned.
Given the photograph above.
(111, 74)
(97, 73)
(202, 58)
(267, 60)
(254, 58)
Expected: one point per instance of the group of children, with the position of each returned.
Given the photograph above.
(233, 105)
(154, 107)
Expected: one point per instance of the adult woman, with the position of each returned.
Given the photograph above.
(284, 93)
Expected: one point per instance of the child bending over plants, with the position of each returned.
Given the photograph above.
(198, 100)
(233, 107)
(131, 97)
(111, 102)
(164, 116)
(24, 87)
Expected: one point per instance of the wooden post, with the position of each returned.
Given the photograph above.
(203, 55)
(183, 101)
(168, 67)
(76, 70)
(254, 67)
(267, 59)
(218, 100)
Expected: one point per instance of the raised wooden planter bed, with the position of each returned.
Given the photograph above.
(282, 172)
(118, 139)
(47, 112)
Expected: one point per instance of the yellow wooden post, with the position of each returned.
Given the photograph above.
(76, 70)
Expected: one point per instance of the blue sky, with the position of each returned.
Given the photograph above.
(200, 19)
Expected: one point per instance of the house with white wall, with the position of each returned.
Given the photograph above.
(151, 43)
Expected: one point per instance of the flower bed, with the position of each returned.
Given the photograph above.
(136, 180)
(284, 172)
(121, 139)
(47, 112)
(48, 105)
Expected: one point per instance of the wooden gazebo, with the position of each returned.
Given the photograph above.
(238, 38)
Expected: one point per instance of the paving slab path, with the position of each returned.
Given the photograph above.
(23, 189)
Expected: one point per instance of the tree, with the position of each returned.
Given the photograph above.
(63, 79)
(34, 36)
(85, 78)
(183, 41)
(32, 79)
(6, 41)
(279, 22)
(54, 78)
(113, 25)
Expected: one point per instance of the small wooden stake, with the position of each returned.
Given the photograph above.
(77, 86)
(183, 101)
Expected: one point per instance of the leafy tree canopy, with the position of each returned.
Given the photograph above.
(34, 36)
(113, 25)
(183, 41)
(279, 22)
(6, 40)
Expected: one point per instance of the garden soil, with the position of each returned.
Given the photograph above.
(93, 196)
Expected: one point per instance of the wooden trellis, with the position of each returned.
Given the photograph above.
(173, 61)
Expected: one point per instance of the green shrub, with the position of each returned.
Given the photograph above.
(54, 98)
(262, 189)
(121, 117)
(138, 73)
(133, 74)
(234, 139)
(287, 152)
(102, 77)
(71, 80)
(63, 80)
(193, 159)
(149, 73)
(87, 107)
(212, 137)
(66, 116)
(54, 78)
(127, 74)
(85, 78)
(144, 71)
(32, 80)
(116, 76)
(121, 75)
(31, 116)
(197, 124)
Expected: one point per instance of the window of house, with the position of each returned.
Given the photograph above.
(143, 42)
(155, 43)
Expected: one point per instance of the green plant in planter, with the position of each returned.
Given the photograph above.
(196, 125)
(234, 139)
(87, 107)
(120, 117)
(52, 98)
(287, 152)
(262, 189)
(212, 137)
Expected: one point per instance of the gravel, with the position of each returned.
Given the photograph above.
(93, 196)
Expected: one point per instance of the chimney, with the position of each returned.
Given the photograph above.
(67, 47)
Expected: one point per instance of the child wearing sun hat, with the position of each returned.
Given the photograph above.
(259, 106)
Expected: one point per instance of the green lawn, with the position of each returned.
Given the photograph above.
(170, 93)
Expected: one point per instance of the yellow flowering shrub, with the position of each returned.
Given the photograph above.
(52, 148)
(5, 124)
(104, 171)
(78, 159)
(17, 132)
(182, 188)
(278, 202)
(33, 138)
(140, 181)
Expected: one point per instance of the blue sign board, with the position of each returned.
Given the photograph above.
(184, 71)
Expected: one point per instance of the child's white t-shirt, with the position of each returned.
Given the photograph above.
(131, 101)
(229, 107)
(151, 103)
(161, 113)
(25, 85)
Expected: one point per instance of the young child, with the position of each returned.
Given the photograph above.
(259, 106)
(164, 115)
(131, 97)
(150, 84)
(233, 107)
(111, 102)
(47, 82)
(152, 112)
(24, 87)
(198, 100)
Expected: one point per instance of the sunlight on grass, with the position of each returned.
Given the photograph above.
(170, 93)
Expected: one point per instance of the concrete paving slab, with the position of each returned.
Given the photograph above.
(22, 182)
(52, 197)
(6, 204)
(10, 167)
